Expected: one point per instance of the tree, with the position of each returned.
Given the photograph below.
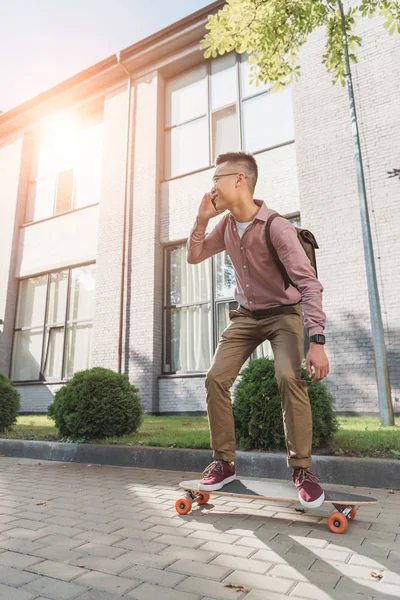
(272, 32)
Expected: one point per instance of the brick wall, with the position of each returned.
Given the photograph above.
(36, 398)
(109, 249)
(143, 334)
(330, 206)
(69, 239)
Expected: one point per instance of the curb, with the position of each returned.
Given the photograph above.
(360, 472)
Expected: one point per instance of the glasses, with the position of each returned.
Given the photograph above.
(216, 177)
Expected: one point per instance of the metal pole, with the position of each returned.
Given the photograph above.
(382, 371)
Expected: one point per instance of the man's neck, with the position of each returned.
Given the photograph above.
(245, 211)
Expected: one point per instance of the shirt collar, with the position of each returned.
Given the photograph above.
(263, 212)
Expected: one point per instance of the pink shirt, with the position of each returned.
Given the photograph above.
(259, 282)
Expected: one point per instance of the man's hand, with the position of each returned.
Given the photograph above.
(207, 210)
(317, 358)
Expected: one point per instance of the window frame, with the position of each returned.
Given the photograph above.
(46, 329)
(210, 112)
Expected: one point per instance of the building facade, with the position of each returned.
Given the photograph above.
(100, 181)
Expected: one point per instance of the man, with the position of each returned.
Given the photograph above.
(266, 311)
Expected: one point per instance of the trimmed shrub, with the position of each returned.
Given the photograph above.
(97, 403)
(9, 403)
(258, 413)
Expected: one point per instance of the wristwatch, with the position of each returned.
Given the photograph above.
(318, 339)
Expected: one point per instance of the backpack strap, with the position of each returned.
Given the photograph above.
(274, 254)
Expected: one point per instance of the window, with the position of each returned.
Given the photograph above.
(215, 108)
(53, 328)
(197, 302)
(65, 168)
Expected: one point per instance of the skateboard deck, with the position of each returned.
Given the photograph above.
(345, 504)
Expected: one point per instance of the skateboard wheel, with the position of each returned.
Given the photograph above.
(203, 498)
(183, 506)
(352, 514)
(337, 523)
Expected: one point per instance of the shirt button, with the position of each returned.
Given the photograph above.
(250, 302)
(247, 285)
(244, 267)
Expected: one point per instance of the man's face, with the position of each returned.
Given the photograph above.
(225, 189)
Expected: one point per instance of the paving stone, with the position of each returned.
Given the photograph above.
(155, 576)
(54, 589)
(60, 541)
(233, 550)
(57, 570)
(100, 550)
(98, 595)
(107, 583)
(17, 560)
(197, 585)
(245, 564)
(24, 534)
(9, 593)
(57, 553)
(148, 591)
(191, 567)
(16, 577)
(176, 552)
(262, 582)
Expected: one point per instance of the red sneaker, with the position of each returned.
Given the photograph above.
(217, 474)
(311, 493)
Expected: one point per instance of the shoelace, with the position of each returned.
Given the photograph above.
(305, 475)
(215, 466)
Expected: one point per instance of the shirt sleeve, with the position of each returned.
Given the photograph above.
(297, 264)
(201, 246)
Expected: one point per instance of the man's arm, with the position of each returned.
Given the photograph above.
(298, 267)
(199, 245)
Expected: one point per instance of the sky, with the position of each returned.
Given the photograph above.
(44, 42)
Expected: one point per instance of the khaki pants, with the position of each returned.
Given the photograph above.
(244, 333)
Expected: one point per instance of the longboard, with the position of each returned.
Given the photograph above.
(345, 504)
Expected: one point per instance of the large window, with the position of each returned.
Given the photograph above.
(198, 299)
(65, 169)
(53, 328)
(215, 108)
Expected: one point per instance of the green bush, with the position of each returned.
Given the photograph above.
(97, 403)
(9, 403)
(258, 413)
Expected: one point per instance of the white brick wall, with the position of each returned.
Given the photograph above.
(109, 250)
(180, 394)
(143, 344)
(36, 398)
(69, 239)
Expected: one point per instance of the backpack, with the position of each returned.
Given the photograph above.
(306, 239)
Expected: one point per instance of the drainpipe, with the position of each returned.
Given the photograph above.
(126, 201)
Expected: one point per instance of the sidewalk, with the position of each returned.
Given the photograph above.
(105, 533)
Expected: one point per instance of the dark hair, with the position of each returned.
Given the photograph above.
(244, 160)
